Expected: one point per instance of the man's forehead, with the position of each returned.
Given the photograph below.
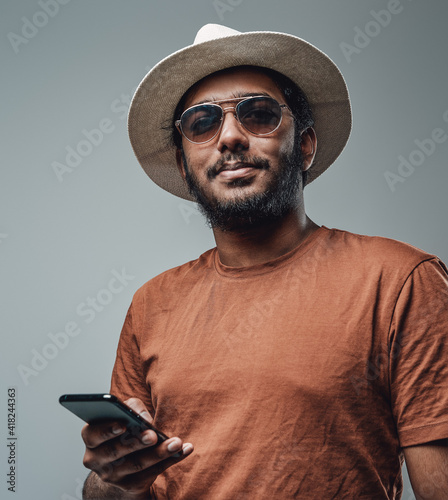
(232, 83)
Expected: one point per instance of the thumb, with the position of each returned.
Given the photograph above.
(138, 406)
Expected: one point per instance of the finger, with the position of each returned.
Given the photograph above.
(151, 463)
(94, 435)
(146, 475)
(170, 451)
(138, 406)
(186, 450)
(110, 450)
(135, 458)
(133, 462)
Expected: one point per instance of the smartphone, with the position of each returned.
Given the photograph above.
(98, 407)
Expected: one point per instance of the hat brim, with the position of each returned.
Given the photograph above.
(155, 100)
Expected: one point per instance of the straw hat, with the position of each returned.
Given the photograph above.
(215, 48)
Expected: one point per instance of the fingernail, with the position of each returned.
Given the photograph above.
(147, 439)
(117, 429)
(187, 449)
(174, 445)
(145, 415)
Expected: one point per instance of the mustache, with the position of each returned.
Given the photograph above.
(254, 161)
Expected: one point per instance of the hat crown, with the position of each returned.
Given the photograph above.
(212, 32)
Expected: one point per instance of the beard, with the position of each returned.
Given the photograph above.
(280, 198)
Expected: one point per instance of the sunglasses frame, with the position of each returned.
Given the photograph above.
(178, 123)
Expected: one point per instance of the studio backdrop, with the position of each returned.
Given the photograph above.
(82, 226)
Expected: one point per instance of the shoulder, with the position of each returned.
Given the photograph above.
(380, 266)
(378, 250)
(176, 278)
(375, 259)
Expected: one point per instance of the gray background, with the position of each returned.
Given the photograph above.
(60, 241)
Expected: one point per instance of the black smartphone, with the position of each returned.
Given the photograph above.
(98, 407)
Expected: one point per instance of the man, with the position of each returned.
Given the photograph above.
(301, 362)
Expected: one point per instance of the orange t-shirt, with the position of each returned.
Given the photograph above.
(299, 378)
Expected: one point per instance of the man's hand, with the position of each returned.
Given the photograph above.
(130, 463)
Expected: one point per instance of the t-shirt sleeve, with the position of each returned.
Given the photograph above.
(127, 375)
(419, 355)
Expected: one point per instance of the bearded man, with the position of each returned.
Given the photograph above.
(299, 361)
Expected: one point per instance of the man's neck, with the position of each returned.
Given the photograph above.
(263, 244)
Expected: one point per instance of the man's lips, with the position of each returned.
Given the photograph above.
(237, 169)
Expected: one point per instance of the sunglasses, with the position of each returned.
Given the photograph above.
(259, 115)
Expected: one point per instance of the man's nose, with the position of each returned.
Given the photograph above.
(232, 136)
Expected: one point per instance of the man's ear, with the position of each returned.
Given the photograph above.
(180, 163)
(308, 144)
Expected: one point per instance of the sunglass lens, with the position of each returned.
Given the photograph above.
(260, 115)
(200, 123)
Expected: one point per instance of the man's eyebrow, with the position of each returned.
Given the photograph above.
(236, 95)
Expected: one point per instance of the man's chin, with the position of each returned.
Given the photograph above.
(246, 203)
(235, 195)
(240, 212)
